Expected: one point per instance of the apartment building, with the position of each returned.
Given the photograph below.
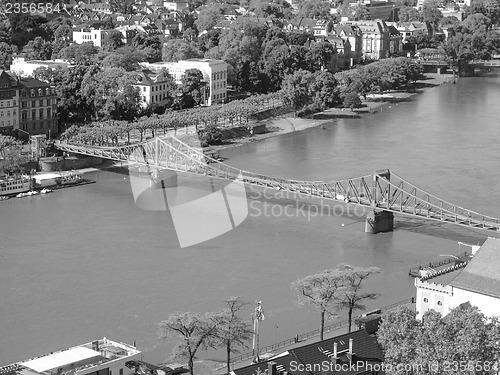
(375, 38)
(9, 101)
(214, 73)
(37, 107)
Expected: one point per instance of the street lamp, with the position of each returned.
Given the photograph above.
(275, 328)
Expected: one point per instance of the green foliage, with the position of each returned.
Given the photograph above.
(180, 49)
(112, 40)
(80, 54)
(351, 100)
(209, 16)
(38, 49)
(296, 88)
(316, 9)
(210, 135)
(192, 90)
(6, 53)
(466, 337)
(127, 58)
(408, 14)
(431, 13)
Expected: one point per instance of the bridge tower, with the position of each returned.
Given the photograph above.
(377, 219)
(162, 178)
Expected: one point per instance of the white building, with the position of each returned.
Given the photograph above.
(214, 72)
(476, 282)
(90, 35)
(100, 357)
(26, 68)
(153, 87)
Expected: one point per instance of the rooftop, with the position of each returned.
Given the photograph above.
(72, 359)
(482, 274)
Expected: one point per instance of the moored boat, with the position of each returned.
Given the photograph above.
(11, 186)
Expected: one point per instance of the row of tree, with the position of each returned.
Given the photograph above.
(323, 89)
(327, 291)
(111, 132)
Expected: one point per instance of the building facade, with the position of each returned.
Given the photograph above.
(476, 282)
(153, 87)
(214, 73)
(96, 36)
(375, 38)
(9, 101)
(37, 107)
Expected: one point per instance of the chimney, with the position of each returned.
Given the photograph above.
(271, 368)
(350, 354)
(335, 357)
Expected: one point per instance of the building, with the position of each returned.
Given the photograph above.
(375, 38)
(100, 357)
(26, 68)
(476, 281)
(214, 72)
(153, 87)
(331, 356)
(395, 41)
(9, 101)
(37, 107)
(96, 36)
(354, 36)
(407, 29)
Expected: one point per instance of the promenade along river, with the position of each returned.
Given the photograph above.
(85, 262)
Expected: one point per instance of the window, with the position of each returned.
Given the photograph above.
(40, 113)
(33, 103)
(426, 300)
(14, 112)
(33, 114)
(8, 113)
(24, 115)
(8, 123)
(14, 102)
(23, 105)
(144, 89)
(1, 104)
(47, 91)
(32, 92)
(121, 371)
(48, 113)
(1, 113)
(40, 92)
(8, 103)
(439, 303)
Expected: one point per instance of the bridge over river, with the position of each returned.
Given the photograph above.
(383, 192)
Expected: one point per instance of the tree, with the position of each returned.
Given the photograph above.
(127, 58)
(320, 291)
(352, 100)
(179, 49)
(80, 54)
(431, 13)
(458, 52)
(8, 143)
(192, 89)
(112, 40)
(232, 331)
(476, 23)
(209, 16)
(38, 49)
(5, 56)
(197, 332)
(325, 90)
(315, 9)
(351, 295)
(464, 336)
(397, 336)
(408, 14)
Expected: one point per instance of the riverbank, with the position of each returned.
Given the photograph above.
(372, 104)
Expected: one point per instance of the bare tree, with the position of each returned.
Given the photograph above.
(350, 292)
(321, 291)
(196, 332)
(232, 331)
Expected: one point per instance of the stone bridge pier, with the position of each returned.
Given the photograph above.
(377, 219)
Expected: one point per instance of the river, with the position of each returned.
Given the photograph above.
(85, 262)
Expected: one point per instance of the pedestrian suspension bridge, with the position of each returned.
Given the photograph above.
(383, 192)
